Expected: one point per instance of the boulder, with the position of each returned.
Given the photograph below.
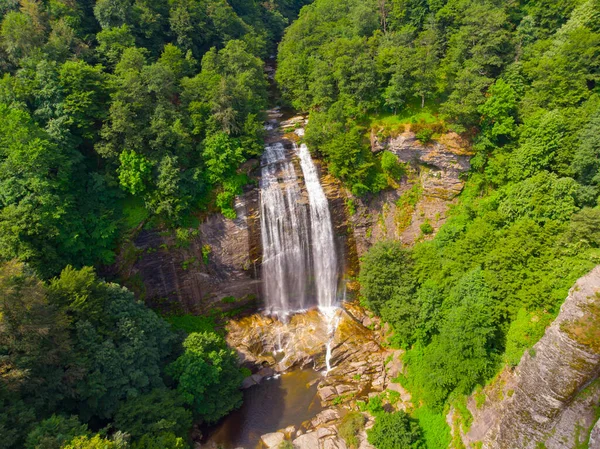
(334, 443)
(323, 432)
(307, 441)
(324, 417)
(290, 430)
(341, 389)
(248, 382)
(273, 440)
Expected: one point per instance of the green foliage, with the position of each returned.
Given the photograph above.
(35, 347)
(154, 413)
(119, 363)
(352, 424)
(94, 442)
(133, 172)
(349, 156)
(424, 135)
(192, 323)
(388, 286)
(396, 431)
(207, 376)
(165, 440)
(391, 166)
(222, 155)
(426, 228)
(484, 289)
(43, 213)
(436, 432)
(526, 329)
(93, 94)
(54, 432)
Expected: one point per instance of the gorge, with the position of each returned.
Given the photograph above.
(300, 224)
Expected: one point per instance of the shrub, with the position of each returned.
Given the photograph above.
(426, 228)
(435, 428)
(351, 425)
(424, 135)
(396, 431)
(391, 166)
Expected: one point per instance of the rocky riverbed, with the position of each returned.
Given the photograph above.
(360, 368)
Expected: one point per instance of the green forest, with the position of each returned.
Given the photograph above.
(522, 79)
(117, 112)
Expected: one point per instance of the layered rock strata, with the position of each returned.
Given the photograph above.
(550, 400)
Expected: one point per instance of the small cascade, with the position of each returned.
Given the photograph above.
(332, 318)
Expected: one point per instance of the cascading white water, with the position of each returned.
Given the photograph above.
(300, 267)
(323, 245)
(284, 233)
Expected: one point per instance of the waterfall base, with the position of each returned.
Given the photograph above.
(333, 342)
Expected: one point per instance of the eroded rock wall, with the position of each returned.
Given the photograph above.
(433, 181)
(220, 259)
(550, 399)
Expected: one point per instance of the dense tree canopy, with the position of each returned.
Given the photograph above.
(109, 102)
(522, 80)
(88, 349)
(208, 376)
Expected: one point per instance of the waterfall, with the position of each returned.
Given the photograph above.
(323, 246)
(284, 234)
(300, 268)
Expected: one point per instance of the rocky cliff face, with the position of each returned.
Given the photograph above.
(219, 259)
(432, 182)
(551, 399)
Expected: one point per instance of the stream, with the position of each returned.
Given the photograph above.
(281, 401)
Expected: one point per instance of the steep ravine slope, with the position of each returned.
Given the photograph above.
(551, 399)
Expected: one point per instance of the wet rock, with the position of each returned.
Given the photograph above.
(256, 378)
(327, 393)
(273, 440)
(324, 417)
(301, 342)
(266, 372)
(307, 441)
(248, 382)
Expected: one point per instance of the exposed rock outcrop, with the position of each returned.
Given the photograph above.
(433, 181)
(550, 399)
(301, 342)
(219, 259)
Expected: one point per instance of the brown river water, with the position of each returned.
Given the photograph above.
(274, 404)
